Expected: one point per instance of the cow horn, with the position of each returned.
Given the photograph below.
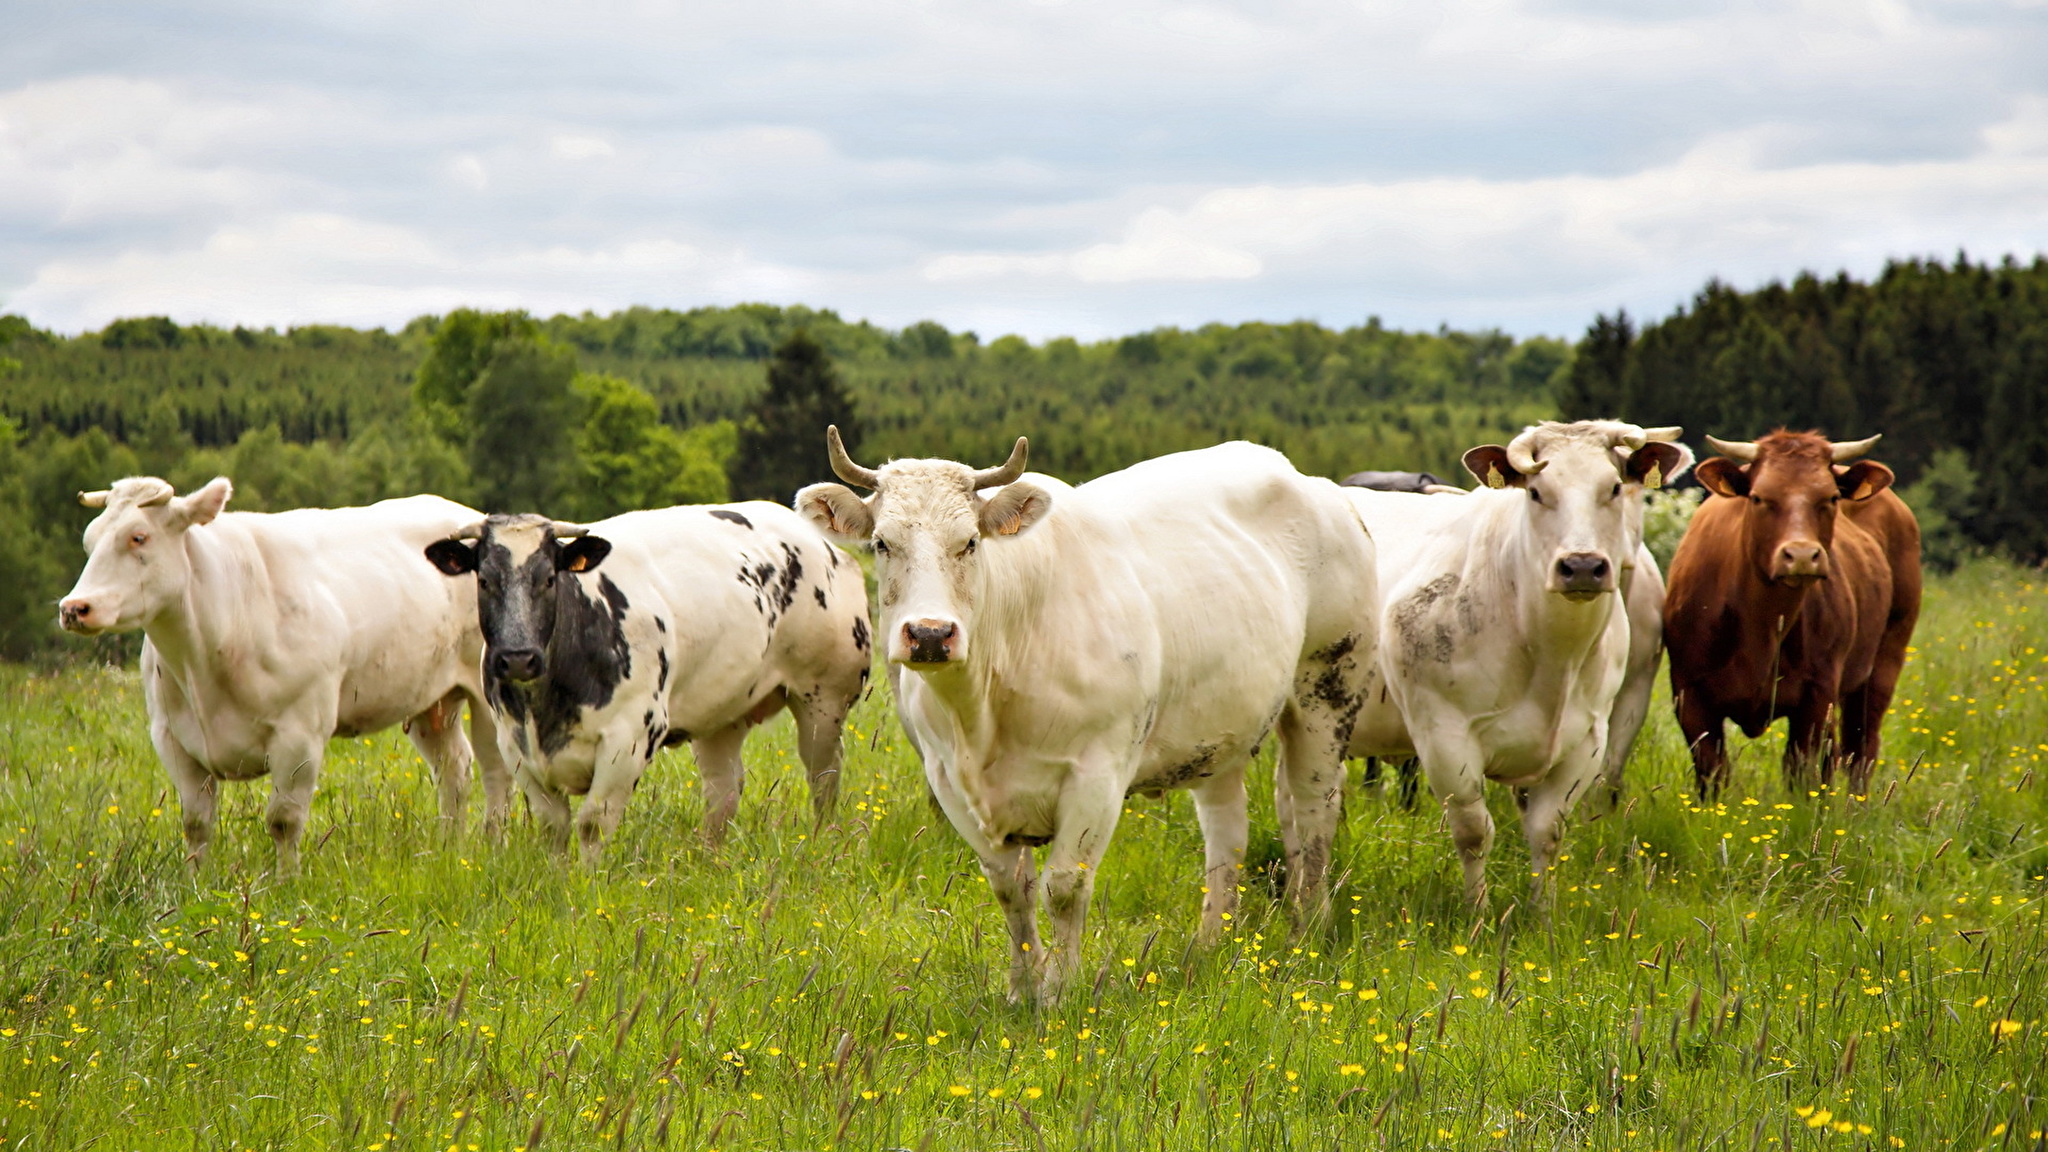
(95, 499)
(1743, 450)
(1008, 471)
(1666, 435)
(842, 464)
(1522, 458)
(568, 531)
(1845, 452)
(468, 532)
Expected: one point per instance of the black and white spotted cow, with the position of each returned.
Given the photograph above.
(605, 643)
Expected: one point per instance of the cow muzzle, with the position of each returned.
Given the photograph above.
(930, 641)
(1582, 575)
(1799, 563)
(519, 665)
(77, 614)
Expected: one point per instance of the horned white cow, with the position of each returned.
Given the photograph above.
(1505, 641)
(695, 623)
(269, 633)
(1067, 647)
(1642, 593)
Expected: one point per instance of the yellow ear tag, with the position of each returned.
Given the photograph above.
(1494, 478)
(1655, 479)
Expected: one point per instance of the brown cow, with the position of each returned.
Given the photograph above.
(1780, 606)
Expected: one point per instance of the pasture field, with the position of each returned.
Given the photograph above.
(1777, 971)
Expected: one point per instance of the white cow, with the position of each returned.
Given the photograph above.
(696, 623)
(1505, 643)
(1067, 647)
(1642, 590)
(267, 634)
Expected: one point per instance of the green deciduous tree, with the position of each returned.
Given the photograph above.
(523, 417)
(629, 459)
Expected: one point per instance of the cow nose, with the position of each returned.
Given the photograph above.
(1583, 572)
(931, 641)
(1802, 559)
(74, 614)
(516, 664)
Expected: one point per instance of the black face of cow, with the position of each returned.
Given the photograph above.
(518, 563)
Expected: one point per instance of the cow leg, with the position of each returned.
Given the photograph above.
(1631, 708)
(1409, 771)
(437, 733)
(1089, 806)
(1014, 879)
(1810, 742)
(1862, 719)
(1220, 804)
(491, 765)
(550, 807)
(1546, 803)
(1307, 788)
(1454, 765)
(198, 796)
(614, 774)
(1706, 736)
(294, 773)
(719, 765)
(819, 718)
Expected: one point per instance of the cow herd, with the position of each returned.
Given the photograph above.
(1052, 649)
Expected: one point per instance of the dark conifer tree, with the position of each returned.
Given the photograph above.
(782, 437)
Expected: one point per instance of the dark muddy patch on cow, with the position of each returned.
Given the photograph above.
(1200, 764)
(734, 517)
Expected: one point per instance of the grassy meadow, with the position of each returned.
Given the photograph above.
(1779, 971)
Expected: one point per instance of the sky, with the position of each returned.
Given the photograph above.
(1042, 167)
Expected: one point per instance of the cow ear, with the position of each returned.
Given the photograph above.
(1657, 463)
(1489, 465)
(1017, 507)
(452, 557)
(583, 553)
(837, 512)
(1723, 477)
(202, 506)
(1863, 479)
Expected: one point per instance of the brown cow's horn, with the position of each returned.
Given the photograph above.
(842, 464)
(1010, 469)
(468, 532)
(1666, 435)
(1522, 458)
(95, 499)
(1850, 450)
(1743, 450)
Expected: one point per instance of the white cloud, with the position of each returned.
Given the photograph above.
(1092, 167)
(294, 269)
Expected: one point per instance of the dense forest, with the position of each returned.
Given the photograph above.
(1949, 362)
(586, 415)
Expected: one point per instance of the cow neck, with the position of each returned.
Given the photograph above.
(1010, 587)
(224, 610)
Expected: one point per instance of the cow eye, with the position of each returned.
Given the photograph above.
(1614, 491)
(139, 539)
(1535, 495)
(881, 546)
(967, 549)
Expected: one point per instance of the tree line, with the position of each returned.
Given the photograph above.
(1949, 361)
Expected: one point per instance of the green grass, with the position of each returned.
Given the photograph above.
(1717, 978)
